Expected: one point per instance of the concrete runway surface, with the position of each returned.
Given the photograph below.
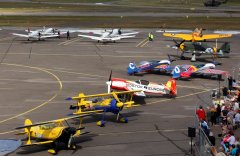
(36, 77)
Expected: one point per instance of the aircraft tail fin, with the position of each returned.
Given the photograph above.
(132, 68)
(176, 72)
(28, 130)
(171, 84)
(27, 122)
(225, 47)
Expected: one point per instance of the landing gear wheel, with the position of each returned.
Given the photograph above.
(52, 151)
(182, 58)
(124, 120)
(101, 123)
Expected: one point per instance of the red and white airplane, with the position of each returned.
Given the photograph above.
(147, 88)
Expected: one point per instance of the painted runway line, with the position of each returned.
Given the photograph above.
(42, 104)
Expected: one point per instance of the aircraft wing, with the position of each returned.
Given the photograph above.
(52, 121)
(130, 33)
(38, 143)
(119, 37)
(89, 112)
(186, 37)
(92, 37)
(212, 36)
(227, 32)
(20, 35)
(104, 94)
(98, 32)
(47, 36)
(212, 72)
(174, 31)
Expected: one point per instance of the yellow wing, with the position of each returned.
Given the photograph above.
(104, 94)
(212, 36)
(182, 36)
(52, 121)
(190, 37)
(38, 143)
(88, 112)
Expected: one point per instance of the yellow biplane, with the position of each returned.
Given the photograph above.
(113, 102)
(197, 35)
(51, 132)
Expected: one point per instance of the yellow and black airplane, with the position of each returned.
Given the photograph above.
(196, 35)
(51, 132)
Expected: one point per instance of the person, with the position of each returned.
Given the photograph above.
(201, 113)
(233, 150)
(237, 119)
(213, 112)
(238, 96)
(230, 83)
(205, 127)
(225, 93)
(231, 140)
(212, 138)
(68, 35)
(59, 34)
(150, 36)
(218, 114)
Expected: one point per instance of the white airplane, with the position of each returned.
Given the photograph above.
(112, 35)
(44, 33)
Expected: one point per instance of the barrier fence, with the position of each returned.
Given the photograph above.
(202, 146)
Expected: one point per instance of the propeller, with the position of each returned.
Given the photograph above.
(177, 45)
(72, 131)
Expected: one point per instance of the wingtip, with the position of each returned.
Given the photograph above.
(68, 99)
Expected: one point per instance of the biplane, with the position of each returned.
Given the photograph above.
(113, 102)
(51, 132)
(196, 35)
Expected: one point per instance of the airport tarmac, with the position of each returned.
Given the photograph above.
(36, 77)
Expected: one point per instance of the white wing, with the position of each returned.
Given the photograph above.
(227, 32)
(119, 38)
(98, 32)
(92, 37)
(47, 36)
(130, 33)
(175, 31)
(20, 35)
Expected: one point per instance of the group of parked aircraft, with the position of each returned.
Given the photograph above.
(107, 35)
(120, 91)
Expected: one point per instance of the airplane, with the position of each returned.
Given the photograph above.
(147, 88)
(204, 70)
(113, 102)
(51, 132)
(108, 35)
(150, 66)
(196, 35)
(44, 33)
(201, 48)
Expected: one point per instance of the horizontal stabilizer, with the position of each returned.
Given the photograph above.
(38, 143)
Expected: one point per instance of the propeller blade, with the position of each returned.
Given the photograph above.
(110, 76)
(181, 42)
(109, 83)
(175, 42)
